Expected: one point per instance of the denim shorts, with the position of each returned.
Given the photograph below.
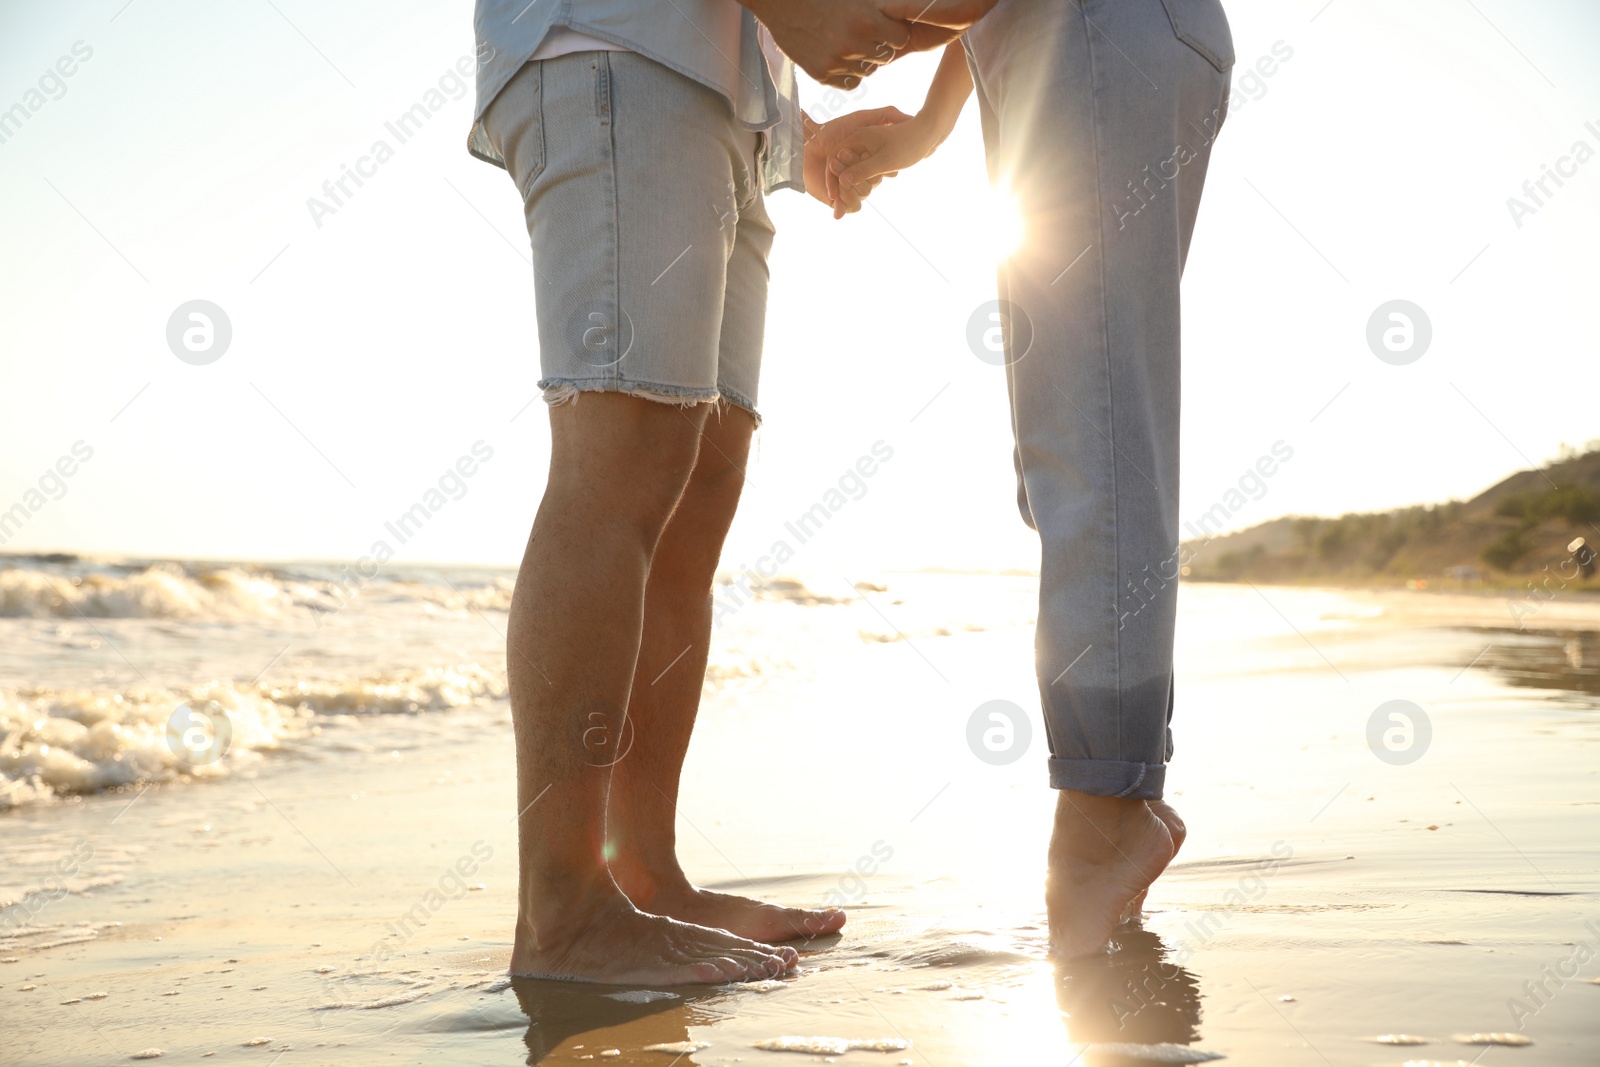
(650, 234)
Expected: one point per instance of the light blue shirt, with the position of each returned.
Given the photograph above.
(759, 83)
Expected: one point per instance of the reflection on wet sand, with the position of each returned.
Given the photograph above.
(1545, 659)
(1135, 995)
(1132, 1006)
(571, 1021)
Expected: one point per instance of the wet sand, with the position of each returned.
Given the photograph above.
(353, 906)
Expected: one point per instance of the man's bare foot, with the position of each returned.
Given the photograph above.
(604, 938)
(754, 919)
(1105, 851)
(671, 893)
(1179, 832)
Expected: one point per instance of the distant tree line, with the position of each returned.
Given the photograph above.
(1572, 503)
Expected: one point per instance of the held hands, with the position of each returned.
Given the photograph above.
(849, 156)
(871, 153)
(854, 153)
(825, 139)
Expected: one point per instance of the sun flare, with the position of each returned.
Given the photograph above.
(1002, 227)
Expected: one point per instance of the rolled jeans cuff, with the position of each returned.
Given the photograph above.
(1109, 778)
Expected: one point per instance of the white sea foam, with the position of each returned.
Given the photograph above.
(160, 591)
(55, 742)
(832, 1046)
(640, 996)
(1499, 1038)
(225, 592)
(391, 1001)
(39, 937)
(1156, 1053)
(48, 890)
(412, 988)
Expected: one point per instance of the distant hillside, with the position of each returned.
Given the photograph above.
(1503, 536)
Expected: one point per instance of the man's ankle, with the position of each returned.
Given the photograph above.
(556, 888)
(544, 922)
(644, 878)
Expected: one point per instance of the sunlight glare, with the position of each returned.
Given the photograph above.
(1002, 227)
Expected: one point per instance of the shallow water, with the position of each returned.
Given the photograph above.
(342, 892)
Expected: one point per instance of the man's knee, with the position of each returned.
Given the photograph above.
(624, 458)
(688, 555)
(718, 478)
(716, 484)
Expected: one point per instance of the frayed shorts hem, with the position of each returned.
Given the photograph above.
(558, 391)
(1109, 778)
(739, 400)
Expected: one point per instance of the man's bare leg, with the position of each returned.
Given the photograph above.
(618, 466)
(641, 837)
(1105, 851)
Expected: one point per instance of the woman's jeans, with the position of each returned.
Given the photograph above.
(1099, 116)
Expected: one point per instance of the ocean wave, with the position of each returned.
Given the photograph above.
(231, 592)
(494, 595)
(64, 586)
(160, 591)
(58, 742)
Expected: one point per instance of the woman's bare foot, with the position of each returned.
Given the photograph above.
(602, 937)
(1105, 851)
(1179, 832)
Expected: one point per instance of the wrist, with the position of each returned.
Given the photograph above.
(942, 114)
(930, 130)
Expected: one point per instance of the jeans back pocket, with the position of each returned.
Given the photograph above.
(1203, 26)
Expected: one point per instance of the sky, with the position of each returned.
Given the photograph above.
(373, 347)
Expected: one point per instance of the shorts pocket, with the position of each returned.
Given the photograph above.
(514, 124)
(1203, 26)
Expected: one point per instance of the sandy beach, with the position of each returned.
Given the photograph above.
(340, 887)
(320, 317)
